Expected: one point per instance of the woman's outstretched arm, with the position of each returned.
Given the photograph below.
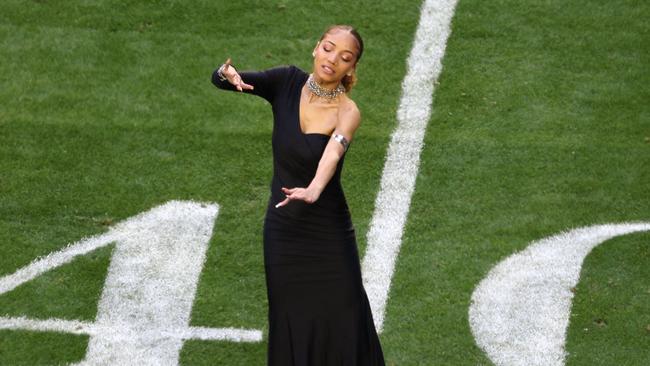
(261, 83)
(348, 124)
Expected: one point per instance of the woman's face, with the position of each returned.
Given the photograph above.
(335, 55)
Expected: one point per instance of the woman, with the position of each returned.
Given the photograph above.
(318, 309)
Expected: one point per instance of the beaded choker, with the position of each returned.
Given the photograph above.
(322, 92)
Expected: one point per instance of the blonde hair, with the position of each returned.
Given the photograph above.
(348, 81)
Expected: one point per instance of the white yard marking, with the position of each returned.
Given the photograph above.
(144, 311)
(520, 312)
(403, 156)
(53, 260)
(94, 329)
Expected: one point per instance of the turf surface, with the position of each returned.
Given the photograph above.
(540, 124)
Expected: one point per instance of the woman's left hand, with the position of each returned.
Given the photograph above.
(301, 194)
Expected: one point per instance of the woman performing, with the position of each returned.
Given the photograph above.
(318, 309)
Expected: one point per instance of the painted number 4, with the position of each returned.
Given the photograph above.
(144, 311)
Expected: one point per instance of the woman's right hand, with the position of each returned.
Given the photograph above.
(233, 77)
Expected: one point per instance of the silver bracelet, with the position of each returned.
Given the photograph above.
(342, 140)
(220, 73)
(222, 77)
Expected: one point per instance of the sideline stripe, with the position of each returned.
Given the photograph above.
(520, 312)
(403, 157)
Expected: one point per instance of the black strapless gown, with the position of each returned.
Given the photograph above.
(318, 309)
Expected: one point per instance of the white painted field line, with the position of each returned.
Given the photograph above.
(143, 314)
(520, 312)
(67, 254)
(47, 325)
(403, 156)
(224, 334)
(93, 329)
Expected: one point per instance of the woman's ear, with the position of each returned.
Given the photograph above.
(313, 53)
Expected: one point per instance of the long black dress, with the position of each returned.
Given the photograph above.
(318, 309)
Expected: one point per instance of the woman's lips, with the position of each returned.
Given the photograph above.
(328, 70)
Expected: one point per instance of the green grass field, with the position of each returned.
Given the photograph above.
(540, 123)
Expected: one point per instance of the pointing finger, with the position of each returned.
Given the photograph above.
(286, 200)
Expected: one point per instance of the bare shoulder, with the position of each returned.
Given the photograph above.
(349, 114)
